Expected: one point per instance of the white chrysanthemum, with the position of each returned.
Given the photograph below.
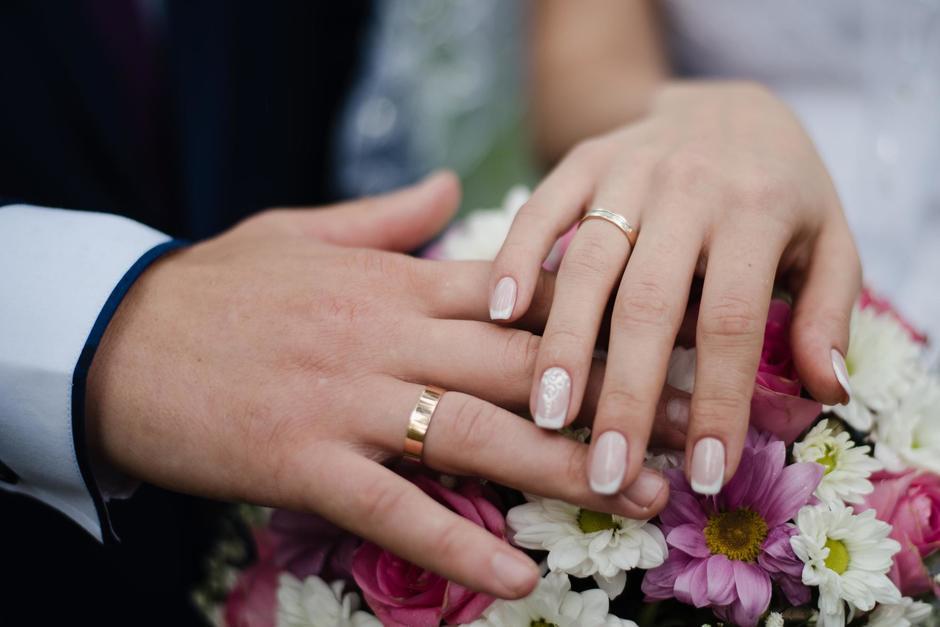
(909, 436)
(313, 603)
(882, 363)
(585, 543)
(774, 619)
(553, 603)
(847, 466)
(480, 234)
(907, 613)
(847, 556)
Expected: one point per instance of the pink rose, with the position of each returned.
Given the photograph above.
(777, 406)
(403, 595)
(910, 503)
(253, 600)
(870, 300)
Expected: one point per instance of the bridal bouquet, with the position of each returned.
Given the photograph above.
(832, 518)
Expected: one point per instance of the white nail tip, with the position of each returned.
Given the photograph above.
(842, 372)
(709, 489)
(503, 300)
(608, 464)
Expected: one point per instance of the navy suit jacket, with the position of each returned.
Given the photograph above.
(249, 96)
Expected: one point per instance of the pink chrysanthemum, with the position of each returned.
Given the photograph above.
(724, 551)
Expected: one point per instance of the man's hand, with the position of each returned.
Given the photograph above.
(272, 365)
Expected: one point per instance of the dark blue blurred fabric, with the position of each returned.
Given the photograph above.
(237, 115)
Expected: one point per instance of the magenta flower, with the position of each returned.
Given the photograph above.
(404, 595)
(777, 405)
(725, 551)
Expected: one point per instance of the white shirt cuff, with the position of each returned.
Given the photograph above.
(62, 275)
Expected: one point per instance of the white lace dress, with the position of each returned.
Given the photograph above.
(864, 78)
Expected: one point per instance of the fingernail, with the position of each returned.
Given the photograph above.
(514, 572)
(554, 394)
(646, 488)
(677, 413)
(609, 463)
(503, 299)
(708, 466)
(842, 373)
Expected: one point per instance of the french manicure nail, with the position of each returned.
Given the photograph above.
(677, 413)
(708, 466)
(503, 300)
(515, 572)
(842, 372)
(646, 488)
(609, 463)
(554, 394)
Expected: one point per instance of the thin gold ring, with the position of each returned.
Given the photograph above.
(614, 218)
(420, 420)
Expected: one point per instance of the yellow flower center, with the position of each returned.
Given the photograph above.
(591, 521)
(542, 623)
(738, 535)
(829, 459)
(838, 559)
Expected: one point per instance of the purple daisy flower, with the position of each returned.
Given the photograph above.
(725, 550)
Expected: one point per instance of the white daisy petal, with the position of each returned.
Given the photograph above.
(584, 543)
(908, 436)
(847, 466)
(553, 602)
(847, 556)
(313, 603)
(882, 363)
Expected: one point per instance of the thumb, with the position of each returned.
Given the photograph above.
(399, 221)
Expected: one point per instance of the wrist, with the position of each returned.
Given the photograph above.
(114, 375)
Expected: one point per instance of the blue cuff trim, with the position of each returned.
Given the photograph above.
(80, 377)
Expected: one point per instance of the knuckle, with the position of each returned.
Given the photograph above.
(519, 354)
(473, 426)
(730, 318)
(516, 250)
(723, 410)
(561, 343)
(687, 171)
(379, 503)
(620, 402)
(763, 193)
(589, 261)
(575, 470)
(642, 305)
(449, 542)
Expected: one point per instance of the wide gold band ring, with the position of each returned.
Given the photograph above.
(614, 218)
(420, 420)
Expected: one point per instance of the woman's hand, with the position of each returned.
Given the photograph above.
(719, 180)
(269, 366)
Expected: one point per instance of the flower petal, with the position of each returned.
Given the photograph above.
(658, 583)
(721, 587)
(692, 584)
(689, 539)
(791, 492)
(753, 587)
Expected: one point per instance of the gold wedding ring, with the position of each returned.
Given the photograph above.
(419, 421)
(614, 218)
